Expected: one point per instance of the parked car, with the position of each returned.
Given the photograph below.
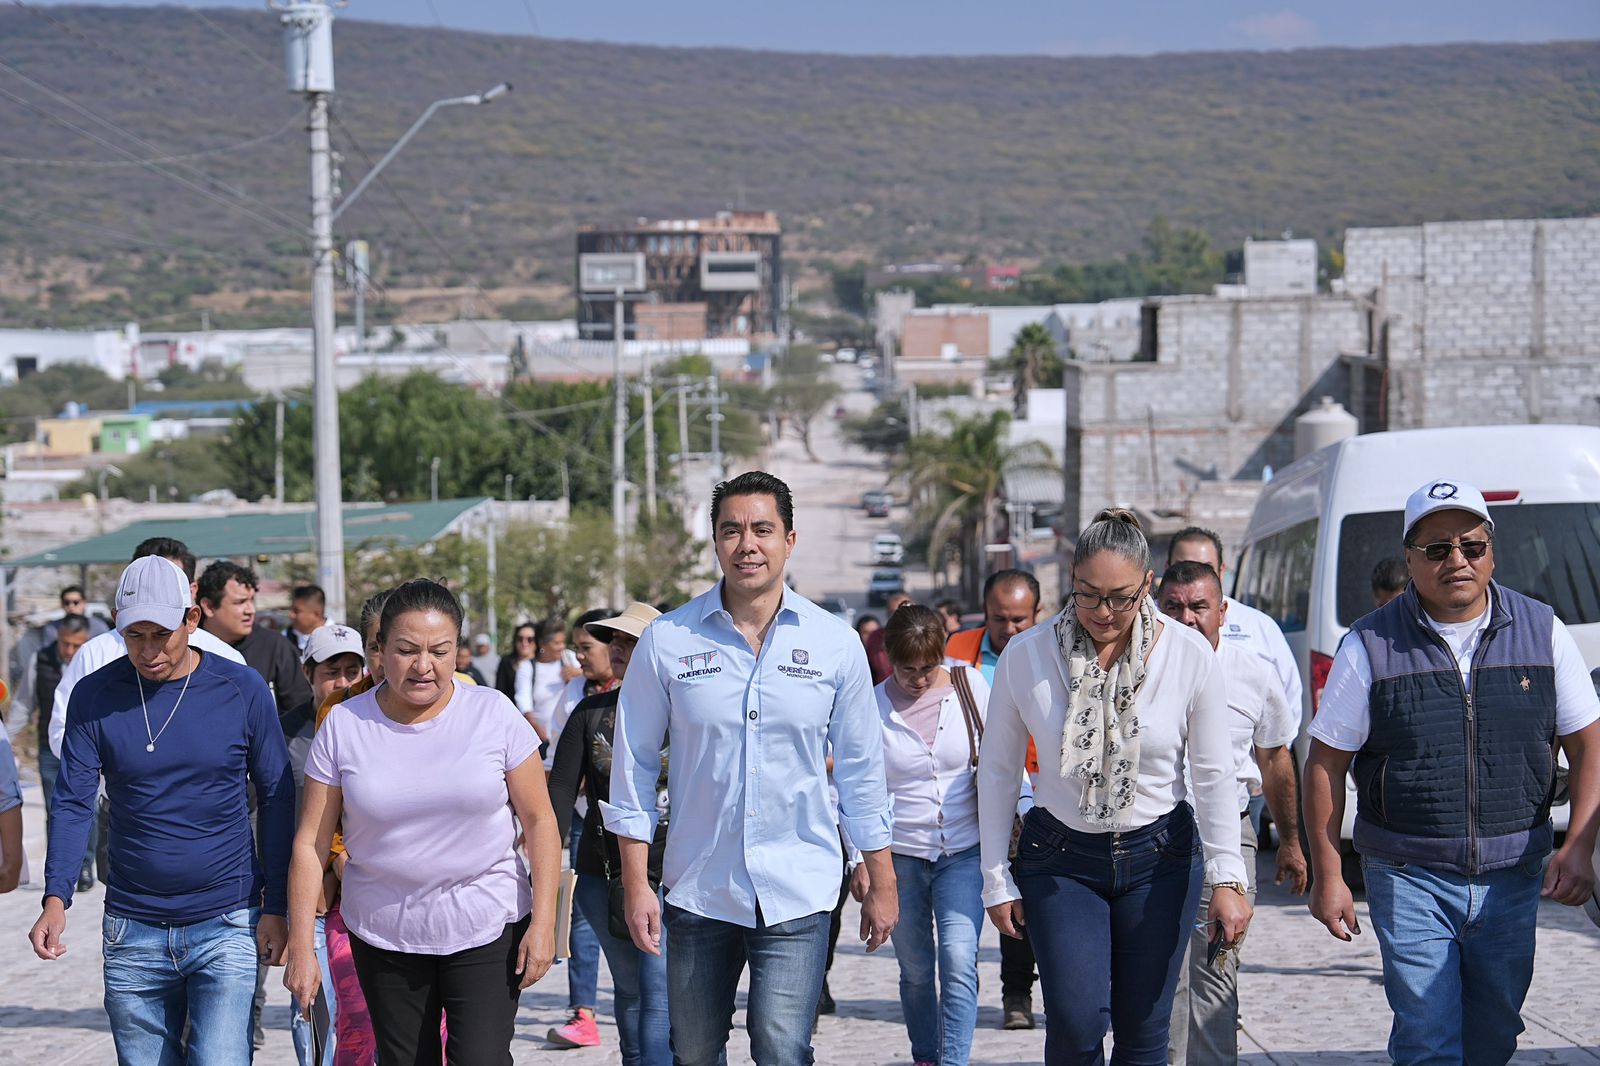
(836, 606)
(1323, 523)
(884, 583)
(877, 503)
(845, 355)
(887, 548)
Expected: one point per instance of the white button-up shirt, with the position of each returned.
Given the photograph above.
(752, 823)
(933, 789)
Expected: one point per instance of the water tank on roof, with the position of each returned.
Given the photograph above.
(1326, 423)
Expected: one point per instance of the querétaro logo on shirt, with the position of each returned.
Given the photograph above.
(700, 664)
(801, 659)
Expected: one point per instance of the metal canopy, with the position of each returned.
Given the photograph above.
(279, 533)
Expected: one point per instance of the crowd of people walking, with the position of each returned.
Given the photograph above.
(716, 779)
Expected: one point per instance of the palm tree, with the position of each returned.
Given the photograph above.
(1034, 364)
(957, 481)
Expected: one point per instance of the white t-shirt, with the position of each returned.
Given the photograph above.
(1344, 716)
(1255, 631)
(546, 690)
(1261, 714)
(1183, 714)
(427, 821)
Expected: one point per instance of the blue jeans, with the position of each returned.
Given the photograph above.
(786, 966)
(1108, 915)
(638, 979)
(1457, 958)
(159, 976)
(299, 1026)
(945, 894)
(583, 967)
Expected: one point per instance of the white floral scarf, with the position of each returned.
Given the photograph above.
(1100, 740)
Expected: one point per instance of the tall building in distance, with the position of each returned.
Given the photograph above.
(718, 277)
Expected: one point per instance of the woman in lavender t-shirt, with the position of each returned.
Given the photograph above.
(430, 779)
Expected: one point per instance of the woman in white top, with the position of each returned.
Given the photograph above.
(542, 679)
(932, 725)
(1108, 869)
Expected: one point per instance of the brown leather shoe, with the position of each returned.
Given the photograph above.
(1017, 1011)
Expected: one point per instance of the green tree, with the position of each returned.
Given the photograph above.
(1034, 364)
(957, 480)
(885, 429)
(801, 389)
(175, 469)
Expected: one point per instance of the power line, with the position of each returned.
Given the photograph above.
(527, 5)
(287, 223)
(202, 154)
(243, 48)
(154, 167)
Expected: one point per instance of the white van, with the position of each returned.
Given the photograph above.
(1324, 523)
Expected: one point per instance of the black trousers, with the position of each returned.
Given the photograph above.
(476, 989)
(1016, 966)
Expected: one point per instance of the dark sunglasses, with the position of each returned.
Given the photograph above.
(1440, 550)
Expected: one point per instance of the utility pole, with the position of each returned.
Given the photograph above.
(489, 537)
(683, 440)
(716, 429)
(619, 469)
(649, 437)
(433, 480)
(308, 58)
(277, 461)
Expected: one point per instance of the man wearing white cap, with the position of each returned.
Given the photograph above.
(177, 734)
(1449, 700)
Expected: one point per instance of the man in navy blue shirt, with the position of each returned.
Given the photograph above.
(178, 735)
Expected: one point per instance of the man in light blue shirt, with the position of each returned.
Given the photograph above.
(756, 686)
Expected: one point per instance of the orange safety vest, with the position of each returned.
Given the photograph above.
(967, 646)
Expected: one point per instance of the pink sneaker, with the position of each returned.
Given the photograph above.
(580, 1031)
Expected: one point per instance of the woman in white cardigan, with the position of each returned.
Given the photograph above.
(932, 726)
(1108, 869)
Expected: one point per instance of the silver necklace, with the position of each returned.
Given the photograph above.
(139, 680)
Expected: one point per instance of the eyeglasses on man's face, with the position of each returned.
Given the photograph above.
(1439, 550)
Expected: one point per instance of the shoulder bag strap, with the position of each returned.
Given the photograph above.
(969, 709)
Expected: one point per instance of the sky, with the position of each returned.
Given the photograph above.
(1011, 27)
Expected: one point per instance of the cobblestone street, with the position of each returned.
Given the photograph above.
(1306, 997)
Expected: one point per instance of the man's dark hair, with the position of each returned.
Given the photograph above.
(755, 483)
(73, 623)
(70, 590)
(863, 619)
(1190, 533)
(1390, 575)
(216, 577)
(311, 594)
(1007, 577)
(418, 595)
(546, 630)
(1190, 572)
(949, 607)
(167, 548)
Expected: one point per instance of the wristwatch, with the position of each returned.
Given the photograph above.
(1235, 885)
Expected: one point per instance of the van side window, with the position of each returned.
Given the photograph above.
(1275, 575)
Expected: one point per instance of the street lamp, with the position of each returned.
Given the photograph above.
(473, 100)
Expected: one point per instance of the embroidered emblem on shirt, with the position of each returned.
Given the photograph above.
(800, 656)
(1526, 684)
(700, 664)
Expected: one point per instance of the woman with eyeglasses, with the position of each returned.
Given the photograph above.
(523, 647)
(1113, 856)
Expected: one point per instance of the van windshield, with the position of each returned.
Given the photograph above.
(1550, 551)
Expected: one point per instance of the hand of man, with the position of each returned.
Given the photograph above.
(880, 911)
(1569, 878)
(643, 909)
(1334, 907)
(1008, 919)
(1292, 867)
(272, 936)
(860, 882)
(45, 936)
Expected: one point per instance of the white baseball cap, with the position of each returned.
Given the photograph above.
(327, 641)
(152, 589)
(1444, 494)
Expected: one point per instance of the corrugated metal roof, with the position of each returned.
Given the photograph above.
(278, 533)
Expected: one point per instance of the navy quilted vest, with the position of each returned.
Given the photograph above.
(1451, 779)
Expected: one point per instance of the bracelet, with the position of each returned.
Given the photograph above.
(1235, 885)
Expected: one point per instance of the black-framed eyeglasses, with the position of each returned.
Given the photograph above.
(1440, 550)
(72, 603)
(1084, 601)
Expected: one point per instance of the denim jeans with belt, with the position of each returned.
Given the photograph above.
(1457, 958)
(158, 976)
(939, 899)
(703, 968)
(1109, 917)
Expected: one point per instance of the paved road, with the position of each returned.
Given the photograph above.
(1306, 997)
